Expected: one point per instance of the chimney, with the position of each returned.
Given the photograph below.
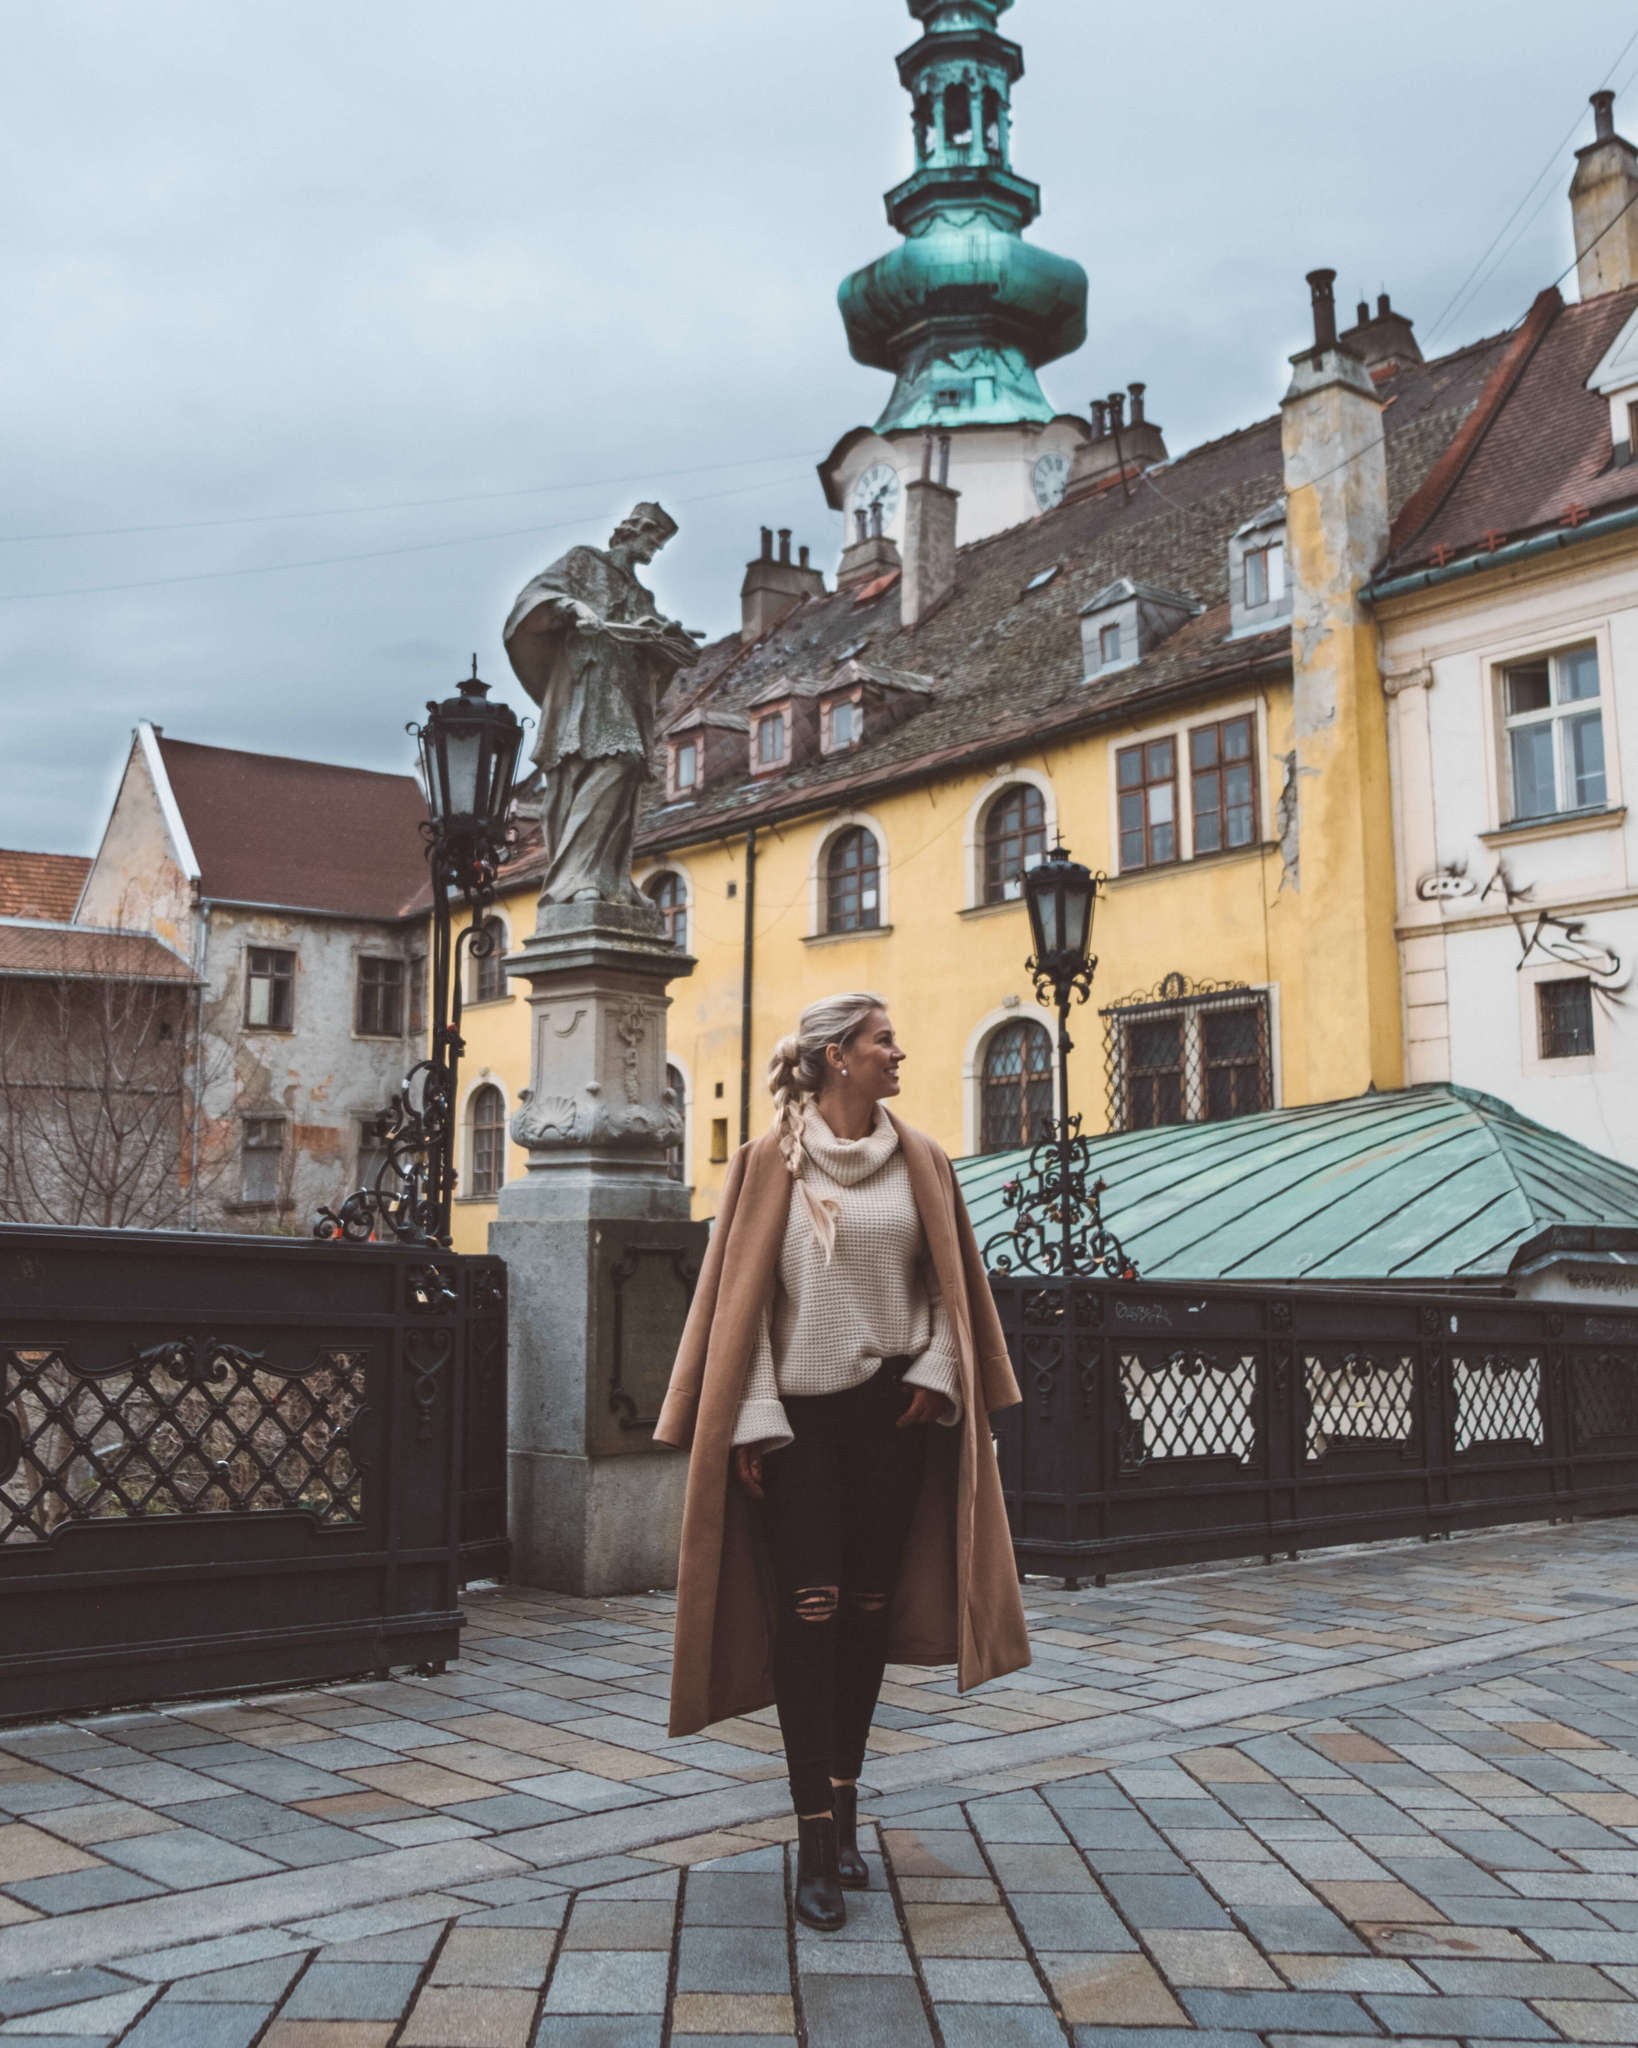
(929, 537)
(1604, 206)
(774, 587)
(1383, 341)
(1336, 825)
(1123, 436)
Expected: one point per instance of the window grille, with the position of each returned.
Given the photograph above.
(1017, 1087)
(488, 1127)
(270, 988)
(1555, 733)
(261, 1156)
(380, 997)
(1564, 1012)
(489, 979)
(1147, 780)
(853, 882)
(1223, 776)
(1187, 1052)
(1014, 840)
(666, 892)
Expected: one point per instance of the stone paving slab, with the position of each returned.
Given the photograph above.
(1382, 1794)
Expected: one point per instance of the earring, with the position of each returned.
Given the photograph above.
(844, 1070)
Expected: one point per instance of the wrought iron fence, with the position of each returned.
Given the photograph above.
(1167, 1424)
(230, 1461)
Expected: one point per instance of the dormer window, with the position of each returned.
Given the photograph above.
(771, 740)
(1615, 380)
(1259, 596)
(1264, 575)
(843, 725)
(686, 765)
(1126, 621)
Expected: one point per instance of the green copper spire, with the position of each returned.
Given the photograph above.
(965, 311)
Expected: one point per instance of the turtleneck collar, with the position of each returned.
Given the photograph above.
(848, 1160)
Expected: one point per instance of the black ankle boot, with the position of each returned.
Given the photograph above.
(818, 1888)
(850, 1865)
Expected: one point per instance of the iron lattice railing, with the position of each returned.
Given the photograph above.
(1187, 1052)
(233, 1461)
(1163, 1424)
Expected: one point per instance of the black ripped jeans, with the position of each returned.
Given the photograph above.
(838, 1504)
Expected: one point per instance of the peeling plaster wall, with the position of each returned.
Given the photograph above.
(135, 881)
(321, 1078)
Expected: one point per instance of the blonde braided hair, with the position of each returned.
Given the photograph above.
(798, 1069)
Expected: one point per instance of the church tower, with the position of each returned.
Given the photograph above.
(964, 311)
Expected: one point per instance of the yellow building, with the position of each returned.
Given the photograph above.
(1170, 670)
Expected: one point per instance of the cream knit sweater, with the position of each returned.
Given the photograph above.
(831, 1324)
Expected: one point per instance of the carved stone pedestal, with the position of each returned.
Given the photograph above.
(601, 1257)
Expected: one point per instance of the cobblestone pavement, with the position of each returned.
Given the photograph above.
(1387, 1794)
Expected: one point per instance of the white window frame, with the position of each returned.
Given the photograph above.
(784, 712)
(973, 1056)
(1550, 638)
(1555, 716)
(978, 815)
(676, 789)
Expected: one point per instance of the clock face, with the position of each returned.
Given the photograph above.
(878, 486)
(1049, 476)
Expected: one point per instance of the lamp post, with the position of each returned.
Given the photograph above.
(469, 751)
(1059, 1229)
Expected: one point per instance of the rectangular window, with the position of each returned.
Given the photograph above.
(770, 740)
(844, 725)
(686, 757)
(380, 1009)
(1224, 784)
(270, 988)
(1265, 575)
(1565, 1014)
(1108, 644)
(1147, 789)
(719, 1140)
(260, 1157)
(1190, 1054)
(1555, 733)
(417, 995)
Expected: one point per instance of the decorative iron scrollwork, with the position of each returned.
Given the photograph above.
(432, 1290)
(1060, 1228)
(1279, 1315)
(195, 1361)
(426, 1352)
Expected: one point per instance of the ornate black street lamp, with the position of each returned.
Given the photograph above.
(469, 752)
(1060, 1229)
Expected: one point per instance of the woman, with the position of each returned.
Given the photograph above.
(833, 1385)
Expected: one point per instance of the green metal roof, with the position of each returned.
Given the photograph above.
(1420, 1183)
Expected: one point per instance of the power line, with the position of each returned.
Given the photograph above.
(1463, 291)
(396, 504)
(369, 555)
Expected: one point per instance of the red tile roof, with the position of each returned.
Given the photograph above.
(43, 885)
(1535, 453)
(81, 953)
(300, 835)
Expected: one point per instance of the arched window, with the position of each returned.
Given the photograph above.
(679, 1091)
(665, 890)
(489, 977)
(1014, 840)
(487, 1117)
(1017, 1086)
(853, 882)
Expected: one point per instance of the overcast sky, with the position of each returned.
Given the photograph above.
(290, 257)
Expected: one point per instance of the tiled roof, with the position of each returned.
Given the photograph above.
(43, 885)
(1004, 658)
(1537, 453)
(299, 835)
(1412, 1184)
(82, 953)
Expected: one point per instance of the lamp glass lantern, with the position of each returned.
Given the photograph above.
(1061, 896)
(469, 753)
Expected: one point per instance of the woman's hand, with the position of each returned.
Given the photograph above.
(925, 1406)
(748, 1468)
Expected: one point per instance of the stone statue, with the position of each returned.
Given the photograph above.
(587, 643)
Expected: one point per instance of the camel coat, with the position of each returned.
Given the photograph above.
(957, 1600)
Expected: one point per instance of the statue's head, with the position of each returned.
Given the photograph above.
(644, 531)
